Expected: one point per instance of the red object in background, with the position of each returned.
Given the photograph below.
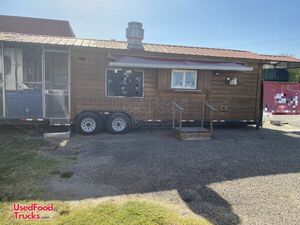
(281, 98)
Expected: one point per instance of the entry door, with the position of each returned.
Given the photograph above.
(56, 83)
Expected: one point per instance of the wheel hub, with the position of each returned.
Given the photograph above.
(88, 125)
(119, 124)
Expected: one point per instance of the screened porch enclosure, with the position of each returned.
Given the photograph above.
(1, 82)
(23, 82)
(34, 82)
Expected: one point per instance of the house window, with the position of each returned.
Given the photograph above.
(124, 83)
(184, 79)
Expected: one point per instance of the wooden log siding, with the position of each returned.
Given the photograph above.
(188, 99)
(88, 67)
(240, 99)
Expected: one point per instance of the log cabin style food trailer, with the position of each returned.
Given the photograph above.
(93, 84)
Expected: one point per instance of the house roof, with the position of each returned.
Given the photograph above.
(36, 26)
(154, 48)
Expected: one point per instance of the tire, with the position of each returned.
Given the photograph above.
(88, 123)
(118, 123)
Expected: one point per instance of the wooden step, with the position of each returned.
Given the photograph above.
(193, 133)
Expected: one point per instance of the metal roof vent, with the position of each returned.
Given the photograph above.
(135, 35)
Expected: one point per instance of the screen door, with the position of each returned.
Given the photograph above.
(56, 96)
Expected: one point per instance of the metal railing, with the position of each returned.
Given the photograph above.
(211, 110)
(177, 108)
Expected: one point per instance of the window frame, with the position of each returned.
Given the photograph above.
(195, 73)
(106, 87)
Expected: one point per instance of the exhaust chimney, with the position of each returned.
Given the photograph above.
(135, 35)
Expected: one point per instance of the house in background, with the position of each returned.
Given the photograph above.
(118, 84)
(35, 26)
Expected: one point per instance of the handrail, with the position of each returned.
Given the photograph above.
(211, 110)
(179, 109)
(209, 106)
(177, 106)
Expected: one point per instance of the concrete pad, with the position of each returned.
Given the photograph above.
(58, 135)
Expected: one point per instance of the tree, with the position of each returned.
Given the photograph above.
(294, 75)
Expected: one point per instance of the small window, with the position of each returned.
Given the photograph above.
(124, 83)
(184, 79)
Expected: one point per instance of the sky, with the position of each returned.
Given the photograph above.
(261, 26)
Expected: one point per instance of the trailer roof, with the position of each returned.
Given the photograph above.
(154, 48)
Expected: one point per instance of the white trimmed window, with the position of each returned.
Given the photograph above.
(184, 79)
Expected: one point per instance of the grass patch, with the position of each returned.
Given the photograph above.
(22, 166)
(111, 213)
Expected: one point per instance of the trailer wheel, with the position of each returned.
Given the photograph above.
(118, 123)
(88, 123)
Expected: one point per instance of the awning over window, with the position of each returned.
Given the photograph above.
(141, 62)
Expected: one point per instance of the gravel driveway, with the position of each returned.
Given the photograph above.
(242, 176)
(293, 120)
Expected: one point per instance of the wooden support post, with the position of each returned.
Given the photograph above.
(259, 99)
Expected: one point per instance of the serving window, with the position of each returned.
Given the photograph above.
(124, 83)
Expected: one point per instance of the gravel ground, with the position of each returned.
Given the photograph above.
(242, 176)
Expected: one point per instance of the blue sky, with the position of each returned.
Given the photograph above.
(269, 26)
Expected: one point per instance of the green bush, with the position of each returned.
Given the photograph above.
(294, 75)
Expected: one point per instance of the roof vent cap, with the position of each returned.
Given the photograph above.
(135, 35)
